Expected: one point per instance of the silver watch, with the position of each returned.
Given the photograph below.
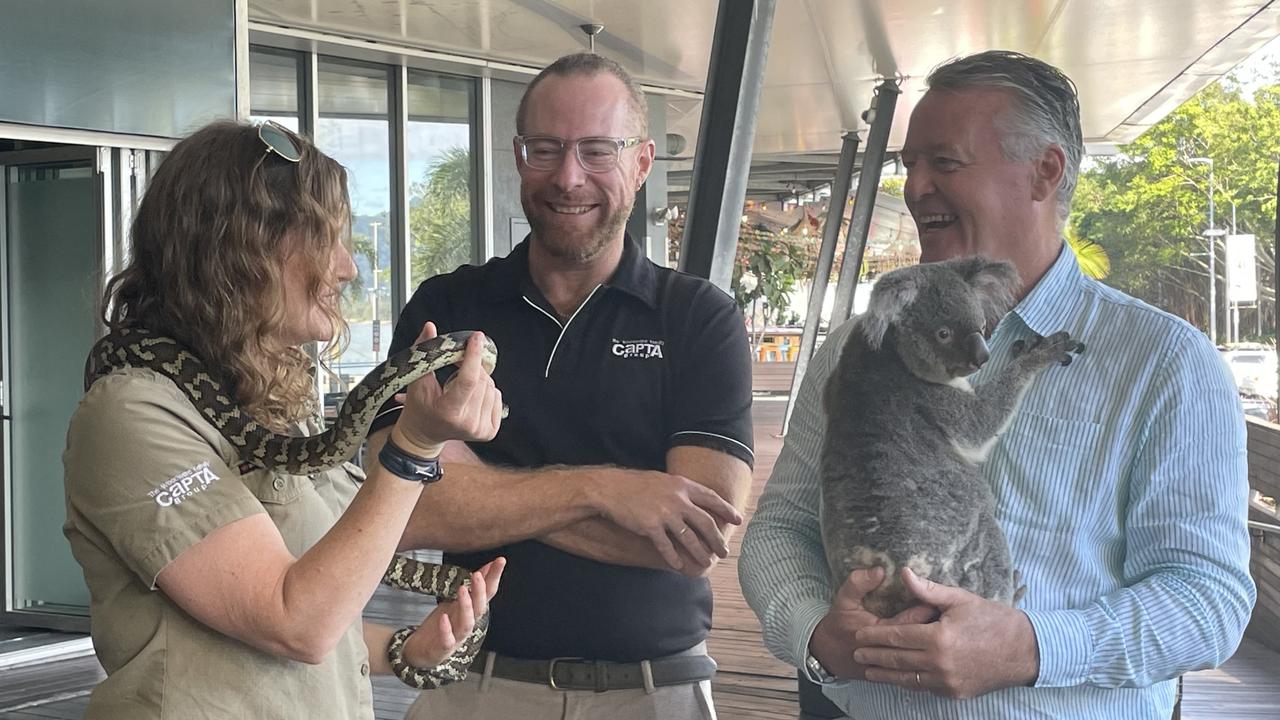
(815, 669)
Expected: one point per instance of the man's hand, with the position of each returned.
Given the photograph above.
(667, 510)
(976, 646)
(835, 638)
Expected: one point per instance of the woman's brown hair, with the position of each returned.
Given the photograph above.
(209, 241)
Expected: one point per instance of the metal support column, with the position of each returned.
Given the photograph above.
(1275, 277)
(718, 186)
(826, 258)
(398, 107)
(864, 203)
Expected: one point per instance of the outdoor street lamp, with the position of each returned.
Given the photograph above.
(1212, 235)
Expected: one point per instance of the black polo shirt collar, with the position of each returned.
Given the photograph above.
(634, 276)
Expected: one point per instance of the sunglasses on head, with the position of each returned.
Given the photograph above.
(279, 140)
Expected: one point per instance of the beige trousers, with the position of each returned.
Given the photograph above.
(491, 698)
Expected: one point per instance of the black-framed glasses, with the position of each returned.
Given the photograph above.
(595, 154)
(279, 140)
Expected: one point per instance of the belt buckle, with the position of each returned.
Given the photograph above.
(551, 671)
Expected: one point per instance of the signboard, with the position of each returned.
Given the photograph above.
(1242, 269)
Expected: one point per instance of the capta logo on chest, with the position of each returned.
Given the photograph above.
(183, 485)
(642, 349)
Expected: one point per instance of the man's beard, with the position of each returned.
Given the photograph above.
(578, 245)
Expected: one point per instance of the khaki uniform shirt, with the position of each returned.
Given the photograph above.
(146, 478)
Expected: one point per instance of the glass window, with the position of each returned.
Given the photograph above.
(273, 86)
(441, 179)
(354, 129)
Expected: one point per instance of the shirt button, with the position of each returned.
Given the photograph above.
(364, 669)
(278, 483)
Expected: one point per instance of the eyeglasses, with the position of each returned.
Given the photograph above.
(279, 140)
(595, 154)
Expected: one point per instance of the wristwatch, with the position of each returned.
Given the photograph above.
(406, 465)
(816, 670)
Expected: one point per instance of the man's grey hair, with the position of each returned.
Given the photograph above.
(1046, 109)
(591, 64)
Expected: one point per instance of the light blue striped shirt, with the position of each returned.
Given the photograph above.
(1121, 485)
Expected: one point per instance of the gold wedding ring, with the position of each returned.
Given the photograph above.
(918, 678)
(683, 530)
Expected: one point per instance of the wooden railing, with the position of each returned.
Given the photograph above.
(1264, 479)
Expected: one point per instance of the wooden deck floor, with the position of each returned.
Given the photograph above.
(751, 685)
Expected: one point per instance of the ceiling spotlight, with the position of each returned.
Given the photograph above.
(591, 29)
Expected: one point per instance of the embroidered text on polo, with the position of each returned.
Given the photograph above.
(183, 485)
(637, 348)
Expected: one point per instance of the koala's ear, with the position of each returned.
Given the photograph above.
(996, 281)
(892, 293)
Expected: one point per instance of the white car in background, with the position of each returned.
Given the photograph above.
(1253, 366)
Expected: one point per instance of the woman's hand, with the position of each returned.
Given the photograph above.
(450, 622)
(469, 407)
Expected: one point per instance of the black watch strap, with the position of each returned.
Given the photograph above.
(406, 465)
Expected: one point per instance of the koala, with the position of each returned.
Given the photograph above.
(906, 432)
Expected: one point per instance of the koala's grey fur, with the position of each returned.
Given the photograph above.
(906, 432)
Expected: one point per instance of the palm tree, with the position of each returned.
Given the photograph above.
(1092, 257)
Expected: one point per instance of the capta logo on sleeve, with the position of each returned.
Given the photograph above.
(642, 349)
(183, 485)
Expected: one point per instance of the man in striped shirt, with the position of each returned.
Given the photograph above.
(1121, 483)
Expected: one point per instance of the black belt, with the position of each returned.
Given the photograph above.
(600, 675)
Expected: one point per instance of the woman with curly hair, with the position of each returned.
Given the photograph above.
(223, 588)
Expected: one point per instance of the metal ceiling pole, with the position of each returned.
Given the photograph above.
(722, 163)
(864, 202)
(826, 258)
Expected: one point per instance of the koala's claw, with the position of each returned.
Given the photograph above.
(1054, 348)
(1072, 346)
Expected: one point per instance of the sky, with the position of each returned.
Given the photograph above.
(1260, 68)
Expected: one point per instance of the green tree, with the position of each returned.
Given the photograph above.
(774, 262)
(440, 233)
(767, 265)
(1148, 205)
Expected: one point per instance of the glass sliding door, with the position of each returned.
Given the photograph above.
(52, 220)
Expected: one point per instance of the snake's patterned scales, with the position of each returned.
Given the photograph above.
(302, 455)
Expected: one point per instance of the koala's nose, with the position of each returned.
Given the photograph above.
(976, 349)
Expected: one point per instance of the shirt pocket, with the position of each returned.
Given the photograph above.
(275, 488)
(1046, 472)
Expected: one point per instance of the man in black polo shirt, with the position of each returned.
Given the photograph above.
(612, 486)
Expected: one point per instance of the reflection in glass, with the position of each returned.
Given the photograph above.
(441, 218)
(354, 129)
(273, 86)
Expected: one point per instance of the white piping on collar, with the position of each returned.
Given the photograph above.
(547, 373)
